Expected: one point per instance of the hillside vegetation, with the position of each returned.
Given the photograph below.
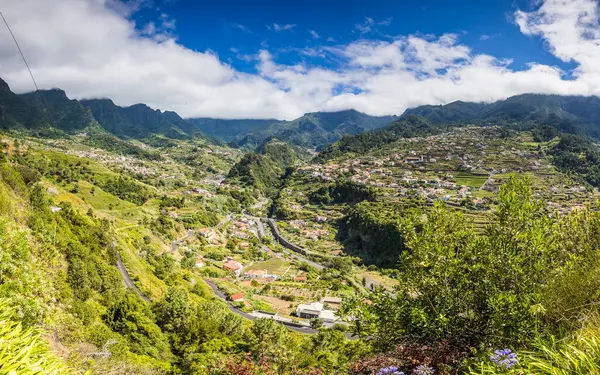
(265, 168)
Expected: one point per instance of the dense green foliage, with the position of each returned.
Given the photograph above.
(371, 231)
(578, 156)
(523, 278)
(128, 189)
(23, 351)
(111, 143)
(264, 169)
(405, 127)
(342, 192)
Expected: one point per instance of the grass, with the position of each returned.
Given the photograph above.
(261, 305)
(273, 266)
(469, 179)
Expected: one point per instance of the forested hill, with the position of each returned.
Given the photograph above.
(264, 168)
(311, 130)
(407, 126)
(51, 112)
(570, 114)
(16, 112)
(138, 120)
(546, 115)
(228, 130)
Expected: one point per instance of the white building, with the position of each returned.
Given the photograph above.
(315, 310)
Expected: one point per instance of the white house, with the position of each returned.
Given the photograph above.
(315, 310)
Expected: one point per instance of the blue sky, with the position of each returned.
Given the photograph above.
(226, 27)
(280, 59)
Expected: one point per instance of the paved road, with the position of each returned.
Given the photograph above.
(369, 283)
(263, 233)
(243, 314)
(128, 282)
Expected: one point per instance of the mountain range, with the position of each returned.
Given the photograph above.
(547, 115)
(311, 130)
(571, 114)
(51, 112)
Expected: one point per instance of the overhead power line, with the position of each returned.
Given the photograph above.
(37, 90)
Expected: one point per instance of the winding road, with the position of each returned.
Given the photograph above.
(125, 275)
(299, 253)
(243, 314)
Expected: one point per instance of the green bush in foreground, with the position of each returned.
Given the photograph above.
(22, 351)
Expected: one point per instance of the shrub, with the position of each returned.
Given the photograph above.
(23, 352)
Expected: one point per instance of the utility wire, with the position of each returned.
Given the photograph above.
(37, 90)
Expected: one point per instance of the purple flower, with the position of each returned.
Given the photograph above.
(423, 370)
(504, 358)
(392, 370)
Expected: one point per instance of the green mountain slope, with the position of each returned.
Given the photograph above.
(573, 114)
(139, 120)
(547, 115)
(228, 130)
(16, 112)
(407, 126)
(314, 129)
(66, 114)
(263, 169)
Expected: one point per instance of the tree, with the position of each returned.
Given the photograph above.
(316, 323)
(465, 288)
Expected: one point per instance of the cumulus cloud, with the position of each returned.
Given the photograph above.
(314, 34)
(92, 48)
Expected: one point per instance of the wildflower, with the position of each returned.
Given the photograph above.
(392, 370)
(423, 370)
(504, 358)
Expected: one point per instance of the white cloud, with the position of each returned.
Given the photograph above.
(314, 34)
(488, 37)
(277, 27)
(243, 57)
(370, 25)
(91, 48)
(244, 28)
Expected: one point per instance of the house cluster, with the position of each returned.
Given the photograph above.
(318, 309)
(314, 234)
(200, 192)
(233, 266)
(413, 167)
(211, 236)
(128, 163)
